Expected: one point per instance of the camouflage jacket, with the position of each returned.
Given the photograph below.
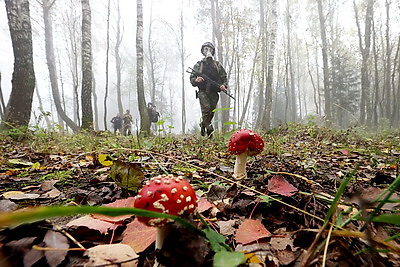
(212, 69)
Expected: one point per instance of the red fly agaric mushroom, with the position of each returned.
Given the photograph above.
(244, 143)
(166, 194)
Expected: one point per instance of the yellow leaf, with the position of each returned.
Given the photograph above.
(252, 258)
(35, 166)
(105, 160)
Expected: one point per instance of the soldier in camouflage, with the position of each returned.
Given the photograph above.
(208, 93)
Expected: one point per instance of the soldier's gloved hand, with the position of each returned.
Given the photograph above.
(222, 88)
(199, 80)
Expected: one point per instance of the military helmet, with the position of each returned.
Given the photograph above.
(209, 44)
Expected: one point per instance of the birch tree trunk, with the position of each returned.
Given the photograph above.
(87, 74)
(144, 116)
(18, 109)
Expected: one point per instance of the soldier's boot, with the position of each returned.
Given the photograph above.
(210, 130)
(202, 129)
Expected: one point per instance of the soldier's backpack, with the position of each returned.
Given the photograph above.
(153, 114)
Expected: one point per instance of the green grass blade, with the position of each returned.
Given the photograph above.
(387, 218)
(10, 219)
(339, 194)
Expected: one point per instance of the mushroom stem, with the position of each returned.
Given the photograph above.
(162, 233)
(239, 172)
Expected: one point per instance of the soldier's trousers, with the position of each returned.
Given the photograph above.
(208, 102)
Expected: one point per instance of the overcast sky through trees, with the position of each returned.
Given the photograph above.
(164, 17)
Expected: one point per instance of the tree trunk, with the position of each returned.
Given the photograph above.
(291, 81)
(144, 116)
(152, 59)
(261, 78)
(107, 64)
(51, 64)
(376, 95)
(43, 113)
(260, 96)
(2, 105)
(105, 107)
(216, 22)
(72, 40)
(118, 60)
(87, 74)
(318, 84)
(18, 110)
(270, 66)
(396, 89)
(182, 54)
(95, 107)
(314, 86)
(327, 90)
(365, 48)
(249, 93)
(387, 69)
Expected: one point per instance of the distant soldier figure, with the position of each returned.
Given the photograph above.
(208, 92)
(153, 114)
(127, 123)
(117, 123)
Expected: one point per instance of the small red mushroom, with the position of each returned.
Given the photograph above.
(244, 143)
(166, 194)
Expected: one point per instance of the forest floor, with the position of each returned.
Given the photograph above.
(315, 196)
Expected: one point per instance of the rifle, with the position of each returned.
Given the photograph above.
(208, 80)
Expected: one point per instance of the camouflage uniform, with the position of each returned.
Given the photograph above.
(127, 123)
(208, 95)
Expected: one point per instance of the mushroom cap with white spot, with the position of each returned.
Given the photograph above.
(164, 193)
(243, 140)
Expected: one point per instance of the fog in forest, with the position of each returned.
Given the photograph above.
(273, 52)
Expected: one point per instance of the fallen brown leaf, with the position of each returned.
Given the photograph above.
(55, 240)
(111, 254)
(139, 236)
(120, 203)
(94, 224)
(203, 205)
(251, 230)
(277, 184)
